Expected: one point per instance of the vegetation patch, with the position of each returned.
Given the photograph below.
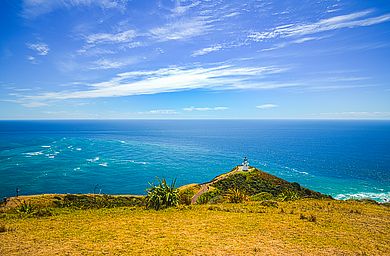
(97, 201)
(260, 185)
(162, 195)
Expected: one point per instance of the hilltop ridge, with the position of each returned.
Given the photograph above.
(253, 185)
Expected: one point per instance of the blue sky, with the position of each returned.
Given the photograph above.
(104, 59)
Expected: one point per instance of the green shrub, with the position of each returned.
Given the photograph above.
(216, 199)
(288, 195)
(97, 201)
(25, 208)
(162, 195)
(262, 196)
(311, 217)
(3, 228)
(211, 196)
(235, 195)
(269, 203)
(185, 196)
(203, 198)
(43, 213)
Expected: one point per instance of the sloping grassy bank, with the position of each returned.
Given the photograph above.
(237, 213)
(300, 227)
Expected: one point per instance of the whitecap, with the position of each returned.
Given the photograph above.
(136, 162)
(94, 159)
(33, 153)
(78, 149)
(77, 169)
(45, 146)
(104, 164)
(295, 170)
(381, 197)
(122, 141)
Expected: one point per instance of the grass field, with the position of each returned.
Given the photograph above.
(301, 227)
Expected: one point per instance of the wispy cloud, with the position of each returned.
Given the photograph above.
(34, 8)
(111, 64)
(182, 29)
(27, 104)
(160, 112)
(267, 106)
(39, 48)
(232, 14)
(297, 41)
(192, 108)
(122, 37)
(357, 19)
(32, 59)
(173, 80)
(181, 9)
(207, 50)
(34, 104)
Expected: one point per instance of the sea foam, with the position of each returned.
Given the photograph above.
(381, 197)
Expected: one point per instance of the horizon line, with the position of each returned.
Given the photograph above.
(186, 119)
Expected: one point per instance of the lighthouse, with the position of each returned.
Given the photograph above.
(245, 164)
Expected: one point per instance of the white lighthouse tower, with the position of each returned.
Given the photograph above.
(245, 164)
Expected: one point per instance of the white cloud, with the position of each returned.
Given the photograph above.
(34, 104)
(34, 8)
(122, 37)
(39, 48)
(182, 9)
(232, 14)
(111, 64)
(173, 80)
(181, 29)
(32, 59)
(338, 22)
(160, 112)
(207, 50)
(87, 51)
(297, 41)
(267, 106)
(192, 108)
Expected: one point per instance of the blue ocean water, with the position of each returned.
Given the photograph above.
(341, 158)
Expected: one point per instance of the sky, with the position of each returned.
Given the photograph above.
(137, 59)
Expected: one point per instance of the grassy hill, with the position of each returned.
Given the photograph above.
(268, 221)
(252, 185)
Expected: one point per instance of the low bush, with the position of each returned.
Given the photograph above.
(3, 228)
(97, 201)
(262, 196)
(162, 195)
(269, 203)
(311, 217)
(288, 195)
(211, 196)
(42, 213)
(185, 196)
(235, 195)
(203, 198)
(25, 208)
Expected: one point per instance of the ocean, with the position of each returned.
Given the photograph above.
(345, 159)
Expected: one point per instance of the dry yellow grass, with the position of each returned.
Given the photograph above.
(341, 228)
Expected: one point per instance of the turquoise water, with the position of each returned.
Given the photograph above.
(341, 158)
